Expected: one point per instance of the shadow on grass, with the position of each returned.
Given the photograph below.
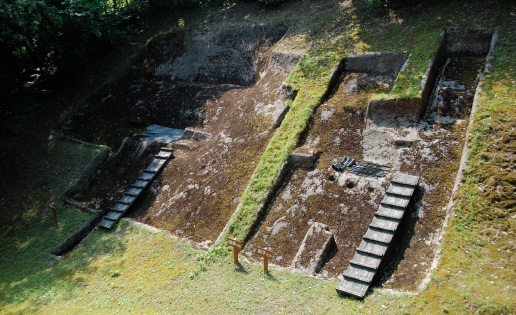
(26, 275)
(270, 277)
(240, 268)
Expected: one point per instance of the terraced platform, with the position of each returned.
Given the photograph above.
(368, 256)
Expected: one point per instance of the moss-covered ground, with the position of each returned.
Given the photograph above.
(131, 269)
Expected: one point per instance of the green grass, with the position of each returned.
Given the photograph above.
(25, 272)
(131, 269)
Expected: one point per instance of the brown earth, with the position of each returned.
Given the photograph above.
(200, 188)
(347, 202)
(343, 201)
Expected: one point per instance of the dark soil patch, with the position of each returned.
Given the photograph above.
(131, 104)
(200, 188)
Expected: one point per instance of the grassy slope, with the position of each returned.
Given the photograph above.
(131, 269)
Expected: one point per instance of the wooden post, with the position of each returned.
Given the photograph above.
(266, 254)
(237, 246)
(52, 206)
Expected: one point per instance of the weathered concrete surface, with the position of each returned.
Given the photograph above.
(75, 238)
(195, 134)
(468, 42)
(376, 63)
(314, 249)
(288, 91)
(405, 110)
(227, 56)
(304, 158)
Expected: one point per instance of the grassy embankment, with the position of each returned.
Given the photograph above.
(131, 269)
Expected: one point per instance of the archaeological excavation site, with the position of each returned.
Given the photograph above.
(363, 195)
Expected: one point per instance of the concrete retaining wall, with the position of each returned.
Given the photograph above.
(468, 42)
(376, 63)
(193, 134)
(453, 42)
(75, 238)
(88, 172)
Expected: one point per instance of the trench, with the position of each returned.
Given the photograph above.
(412, 138)
(160, 86)
(293, 207)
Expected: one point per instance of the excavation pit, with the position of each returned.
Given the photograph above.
(227, 124)
(343, 125)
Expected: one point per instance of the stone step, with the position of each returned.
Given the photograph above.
(379, 235)
(120, 207)
(133, 191)
(113, 215)
(405, 179)
(372, 247)
(390, 211)
(395, 200)
(365, 259)
(401, 190)
(127, 199)
(146, 176)
(377, 238)
(155, 166)
(107, 224)
(164, 154)
(360, 273)
(167, 149)
(140, 183)
(353, 287)
(385, 223)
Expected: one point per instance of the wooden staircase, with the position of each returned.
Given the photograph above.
(124, 203)
(364, 265)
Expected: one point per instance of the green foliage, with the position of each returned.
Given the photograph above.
(271, 1)
(374, 4)
(55, 35)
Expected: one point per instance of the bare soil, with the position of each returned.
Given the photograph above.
(343, 201)
(200, 188)
(347, 202)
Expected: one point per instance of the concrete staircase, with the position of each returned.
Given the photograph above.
(364, 265)
(125, 202)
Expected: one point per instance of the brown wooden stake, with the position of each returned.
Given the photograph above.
(266, 254)
(237, 247)
(53, 207)
(235, 254)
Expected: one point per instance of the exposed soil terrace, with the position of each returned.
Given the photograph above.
(201, 186)
(347, 202)
(343, 201)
